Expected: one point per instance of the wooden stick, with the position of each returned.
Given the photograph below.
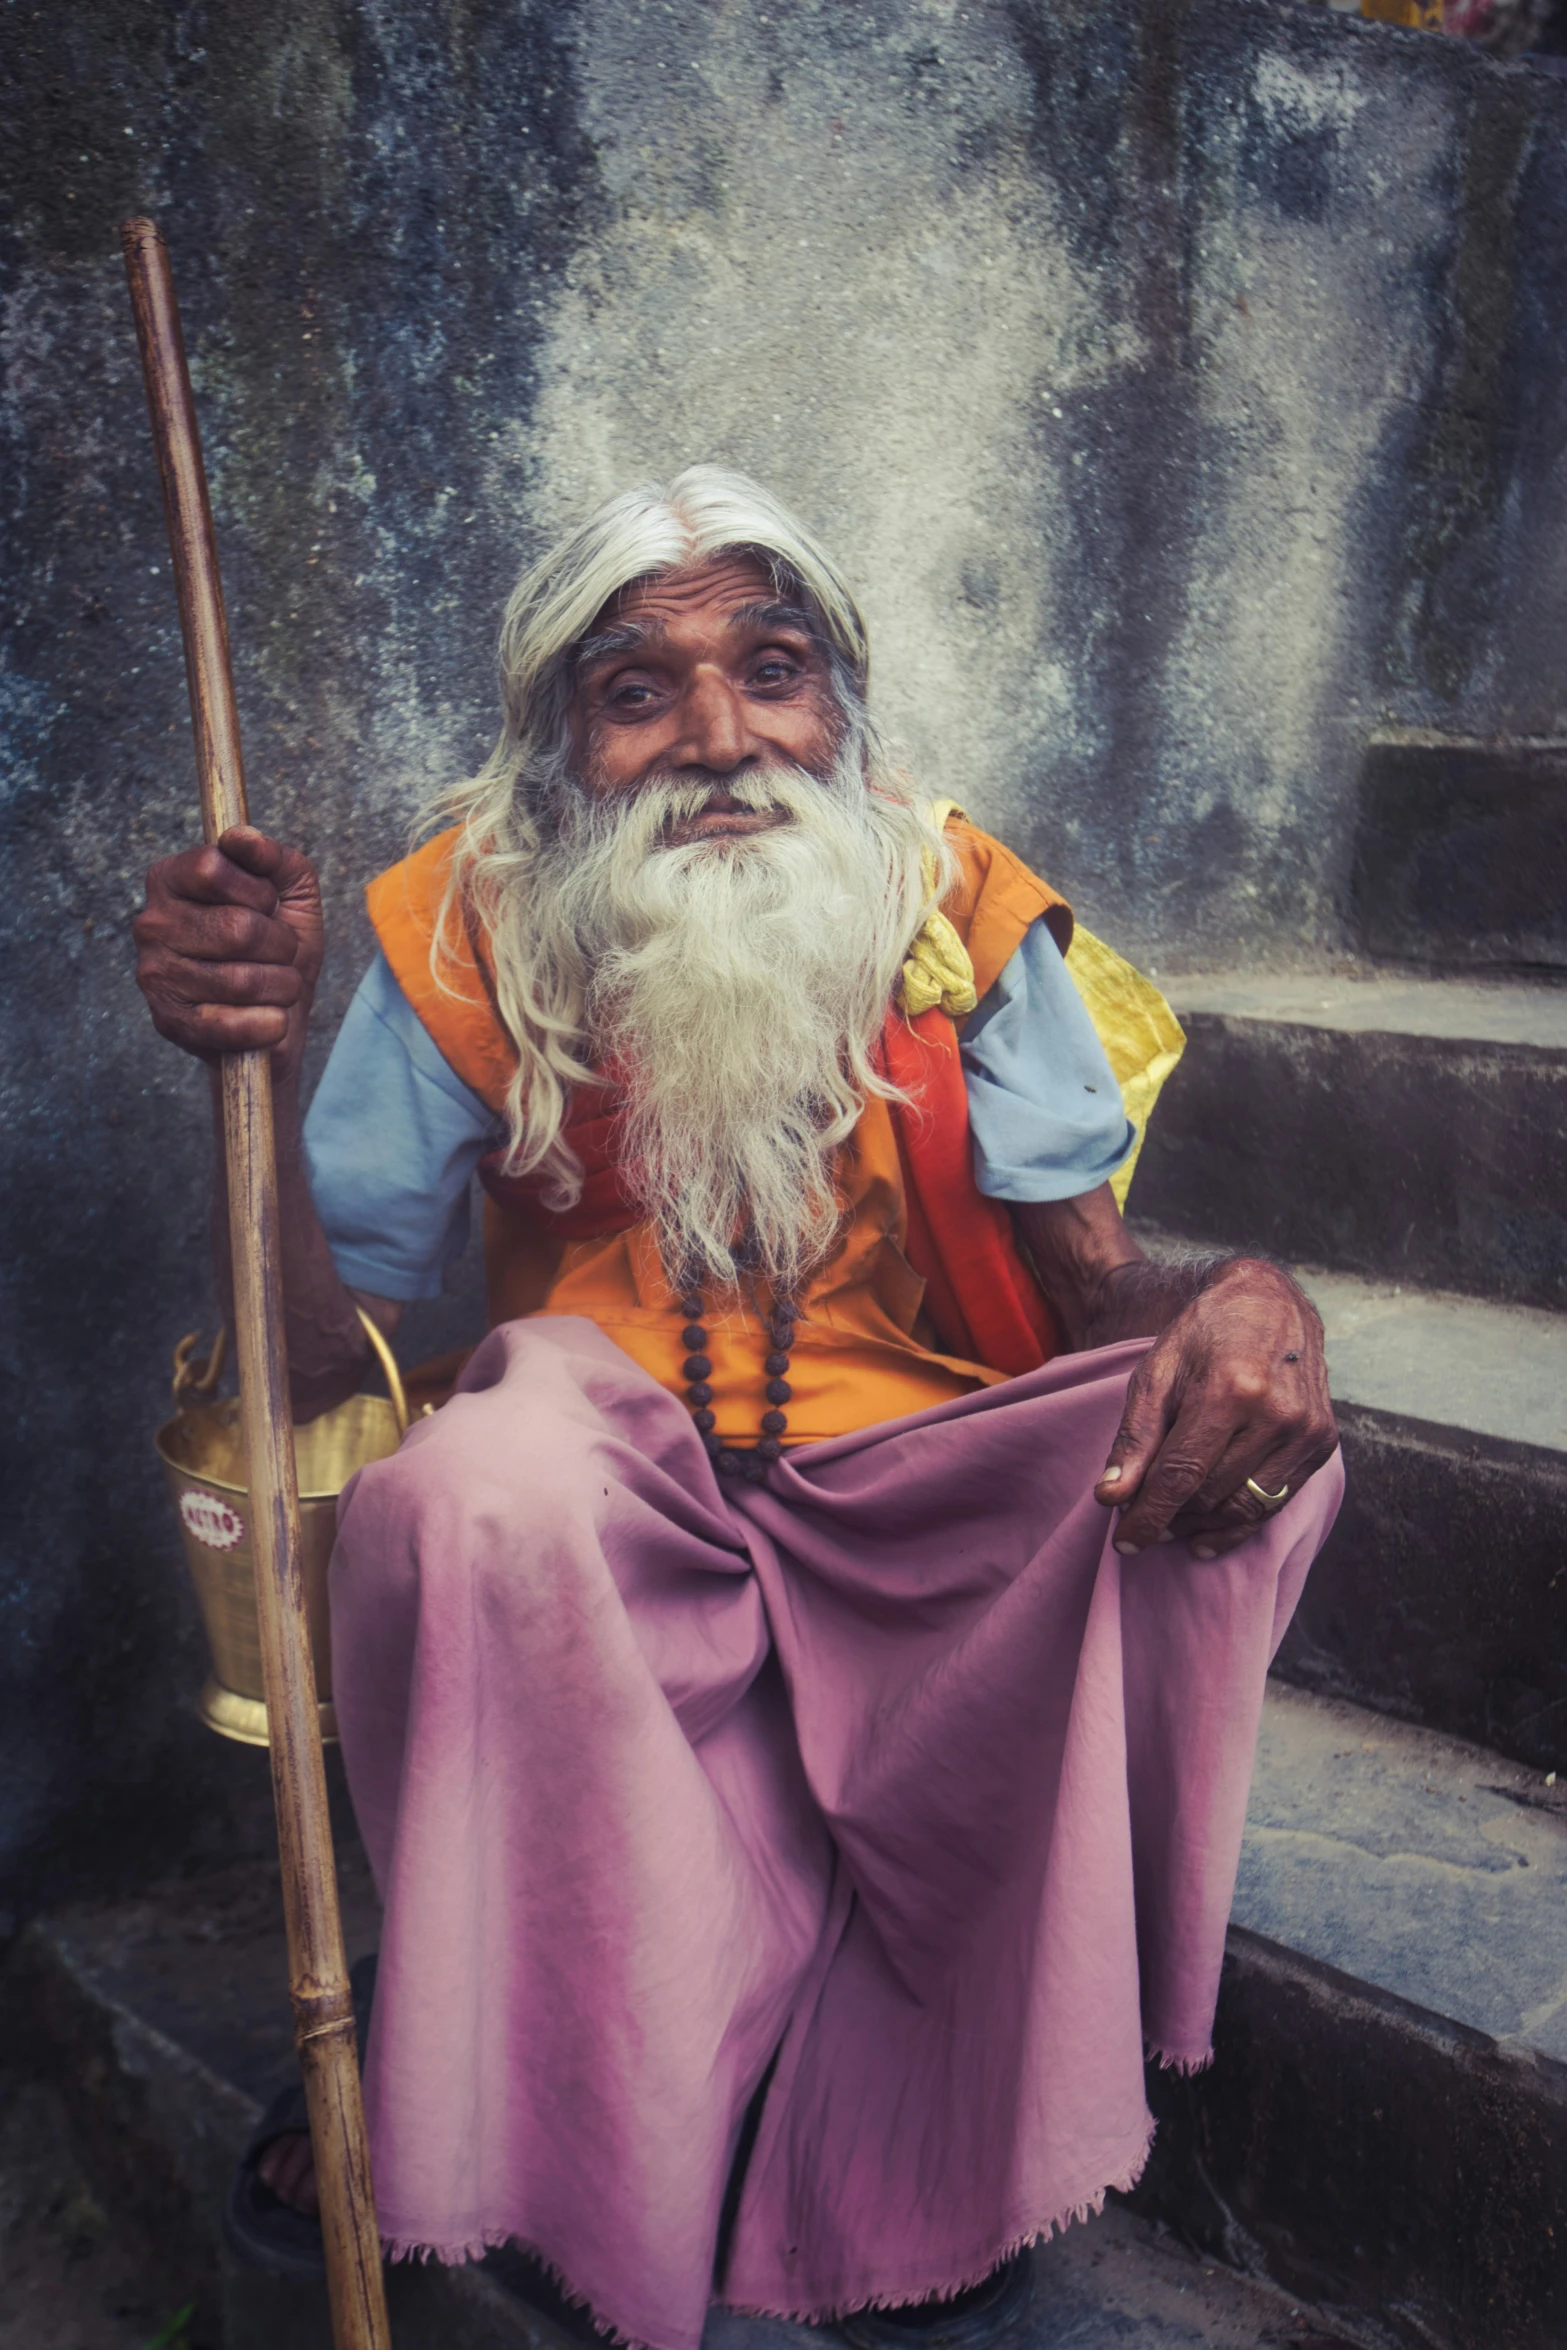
(318, 1974)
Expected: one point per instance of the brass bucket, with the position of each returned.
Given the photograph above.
(203, 1455)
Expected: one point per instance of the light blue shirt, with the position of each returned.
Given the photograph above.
(393, 1135)
(1044, 1109)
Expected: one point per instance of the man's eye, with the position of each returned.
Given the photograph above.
(629, 693)
(776, 670)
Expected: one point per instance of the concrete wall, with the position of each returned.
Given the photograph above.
(1184, 380)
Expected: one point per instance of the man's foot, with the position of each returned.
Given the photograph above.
(954, 2321)
(288, 2168)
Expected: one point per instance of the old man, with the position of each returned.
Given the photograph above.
(799, 1693)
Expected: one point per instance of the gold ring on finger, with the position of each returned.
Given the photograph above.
(1274, 1501)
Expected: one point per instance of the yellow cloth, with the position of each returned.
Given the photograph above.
(937, 970)
(1141, 1036)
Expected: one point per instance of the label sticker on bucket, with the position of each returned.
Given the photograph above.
(212, 1521)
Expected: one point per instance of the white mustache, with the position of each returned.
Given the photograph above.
(641, 817)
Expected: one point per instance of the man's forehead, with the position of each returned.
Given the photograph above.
(710, 591)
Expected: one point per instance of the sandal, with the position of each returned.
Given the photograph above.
(259, 2228)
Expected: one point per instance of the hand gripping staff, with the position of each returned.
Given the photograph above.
(318, 1975)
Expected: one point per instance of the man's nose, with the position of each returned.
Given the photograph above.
(715, 731)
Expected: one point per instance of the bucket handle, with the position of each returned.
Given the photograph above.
(388, 1362)
(189, 1380)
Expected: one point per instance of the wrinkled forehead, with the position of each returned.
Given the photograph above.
(712, 589)
(696, 607)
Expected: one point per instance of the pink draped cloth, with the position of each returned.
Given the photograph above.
(891, 1766)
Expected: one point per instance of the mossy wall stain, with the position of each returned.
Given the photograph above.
(1465, 459)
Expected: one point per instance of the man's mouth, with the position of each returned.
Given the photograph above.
(722, 818)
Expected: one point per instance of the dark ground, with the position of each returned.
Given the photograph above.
(71, 2276)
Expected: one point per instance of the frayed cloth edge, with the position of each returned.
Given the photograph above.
(1169, 2061)
(474, 2248)
(1073, 2214)
(1070, 2215)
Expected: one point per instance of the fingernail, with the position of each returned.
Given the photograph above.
(1111, 1477)
(1128, 1550)
(1200, 1550)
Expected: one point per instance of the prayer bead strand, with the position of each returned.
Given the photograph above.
(697, 1371)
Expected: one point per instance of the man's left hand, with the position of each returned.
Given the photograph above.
(1234, 1389)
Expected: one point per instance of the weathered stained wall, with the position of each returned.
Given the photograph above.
(1184, 380)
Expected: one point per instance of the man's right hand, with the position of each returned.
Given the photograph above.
(229, 948)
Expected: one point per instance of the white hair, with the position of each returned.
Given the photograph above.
(522, 814)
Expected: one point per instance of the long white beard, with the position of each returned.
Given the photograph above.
(735, 988)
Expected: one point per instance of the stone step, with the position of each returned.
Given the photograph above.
(1441, 1594)
(1438, 1595)
(1460, 1362)
(1461, 850)
(1407, 1129)
(1384, 2131)
(161, 2026)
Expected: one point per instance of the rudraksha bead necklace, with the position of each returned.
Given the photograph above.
(697, 1369)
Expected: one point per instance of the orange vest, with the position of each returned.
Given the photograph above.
(926, 1295)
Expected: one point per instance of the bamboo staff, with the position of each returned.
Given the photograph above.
(318, 1974)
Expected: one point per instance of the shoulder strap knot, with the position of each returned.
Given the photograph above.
(937, 968)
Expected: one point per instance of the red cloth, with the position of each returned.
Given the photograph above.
(592, 1116)
(979, 1292)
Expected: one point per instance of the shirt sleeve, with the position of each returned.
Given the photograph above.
(391, 1141)
(1045, 1111)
